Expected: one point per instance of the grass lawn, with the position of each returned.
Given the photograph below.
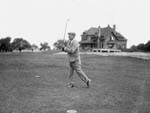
(119, 84)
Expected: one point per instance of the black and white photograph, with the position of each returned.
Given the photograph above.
(74, 56)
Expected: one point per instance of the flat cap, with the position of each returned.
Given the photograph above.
(72, 33)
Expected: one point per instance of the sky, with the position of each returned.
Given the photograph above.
(45, 20)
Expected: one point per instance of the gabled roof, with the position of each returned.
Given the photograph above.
(118, 36)
(91, 31)
(104, 32)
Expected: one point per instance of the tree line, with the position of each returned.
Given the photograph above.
(20, 44)
(143, 47)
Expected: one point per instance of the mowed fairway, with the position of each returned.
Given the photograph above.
(36, 83)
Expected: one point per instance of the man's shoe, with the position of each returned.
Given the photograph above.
(88, 83)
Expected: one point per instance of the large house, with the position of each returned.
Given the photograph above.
(103, 38)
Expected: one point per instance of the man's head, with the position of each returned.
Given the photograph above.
(71, 35)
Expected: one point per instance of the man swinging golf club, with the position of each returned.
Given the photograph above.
(72, 49)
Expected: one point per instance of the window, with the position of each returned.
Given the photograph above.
(84, 38)
(111, 37)
(94, 39)
(110, 46)
(88, 38)
(123, 46)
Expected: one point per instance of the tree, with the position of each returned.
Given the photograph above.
(59, 43)
(147, 46)
(132, 48)
(141, 46)
(33, 47)
(20, 44)
(44, 46)
(5, 44)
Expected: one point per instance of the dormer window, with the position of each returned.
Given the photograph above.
(84, 38)
(111, 37)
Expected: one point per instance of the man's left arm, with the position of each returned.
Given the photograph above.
(73, 48)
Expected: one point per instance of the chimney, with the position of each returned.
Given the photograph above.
(99, 31)
(114, 27)
(99, 35)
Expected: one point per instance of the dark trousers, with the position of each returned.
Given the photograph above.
(76, 66)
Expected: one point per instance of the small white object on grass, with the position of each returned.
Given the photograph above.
(71, 111)
(37, 76)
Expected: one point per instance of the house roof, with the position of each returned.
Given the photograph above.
(91, 31)
(104, 32)
(119, 36)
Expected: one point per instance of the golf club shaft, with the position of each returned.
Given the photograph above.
(65, 30)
